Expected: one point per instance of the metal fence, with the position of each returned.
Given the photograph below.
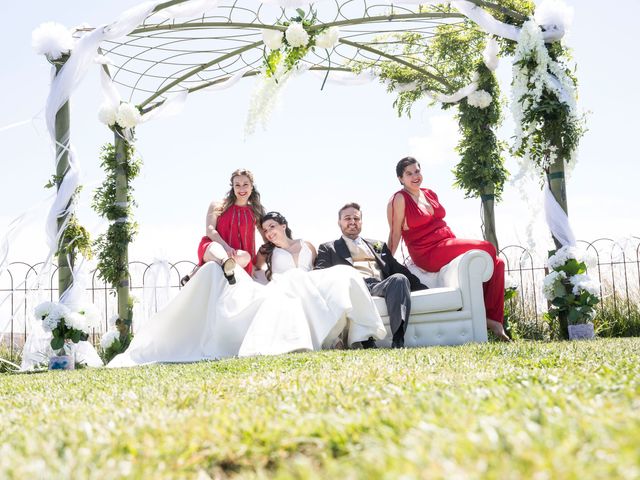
(616, 264)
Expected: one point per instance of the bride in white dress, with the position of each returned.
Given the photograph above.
(300, 309)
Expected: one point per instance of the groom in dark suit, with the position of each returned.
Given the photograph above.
(383, 274)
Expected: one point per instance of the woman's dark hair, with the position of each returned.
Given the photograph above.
(267, 248)
(254, 198)
(404, 163)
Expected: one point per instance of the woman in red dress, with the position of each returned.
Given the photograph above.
(416, 216)
(231, 227)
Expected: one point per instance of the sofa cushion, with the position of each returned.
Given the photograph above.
(433, 300)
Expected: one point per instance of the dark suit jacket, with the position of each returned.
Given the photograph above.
(337, 253)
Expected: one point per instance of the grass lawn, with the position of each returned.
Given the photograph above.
(525, 410)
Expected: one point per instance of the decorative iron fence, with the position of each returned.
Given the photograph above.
(615, 263)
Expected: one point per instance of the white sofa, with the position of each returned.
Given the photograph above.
(451, 311)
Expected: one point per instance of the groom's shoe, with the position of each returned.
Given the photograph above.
(228, 266)
(369, 343)
(184, 280)
(398, 339)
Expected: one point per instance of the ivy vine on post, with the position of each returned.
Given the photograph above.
(114, 200)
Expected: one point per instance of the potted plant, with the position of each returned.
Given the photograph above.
(572, 293)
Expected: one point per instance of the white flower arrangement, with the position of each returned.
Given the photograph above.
(52, 40)
(109, 338)
(563, 255)
(479, 99)
(272, 38)
(296, 35)
(328, 38)
(584, 283)
(128, 116)
(572, 293)
(107, 114)
(551, 282)
(43, 309)
(529, 85)
(66, 324)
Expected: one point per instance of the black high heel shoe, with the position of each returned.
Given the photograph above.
(228, 267)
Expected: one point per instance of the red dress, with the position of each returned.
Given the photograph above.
(432, 245)
(237, 227)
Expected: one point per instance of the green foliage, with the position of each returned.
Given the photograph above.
(618, 317)
(523, 410)
(481, 167)
(111, 246)
(75, 239)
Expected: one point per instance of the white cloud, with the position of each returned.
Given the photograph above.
(438, 147)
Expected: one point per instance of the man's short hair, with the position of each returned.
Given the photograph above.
(348, 205)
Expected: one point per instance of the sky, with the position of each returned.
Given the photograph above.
(321, 148)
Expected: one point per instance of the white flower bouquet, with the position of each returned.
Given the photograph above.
(65, 324)
(572, 293)
(116, 340)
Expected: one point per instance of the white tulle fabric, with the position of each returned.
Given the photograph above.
(299, 310)
(557, 219)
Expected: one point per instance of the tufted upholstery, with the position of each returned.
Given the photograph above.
(452, 311)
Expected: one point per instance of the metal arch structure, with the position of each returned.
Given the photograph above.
(163, 57)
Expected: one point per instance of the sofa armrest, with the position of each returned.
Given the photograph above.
(473, 265)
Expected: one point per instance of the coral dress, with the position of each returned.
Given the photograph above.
(432, 245)
(237, 227)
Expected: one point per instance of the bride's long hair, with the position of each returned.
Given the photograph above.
(267, 248)
(254, 199)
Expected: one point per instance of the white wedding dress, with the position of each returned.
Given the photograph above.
(299, 310)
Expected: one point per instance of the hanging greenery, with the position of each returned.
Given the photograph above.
(111, 246)
(76, 238)
(481, 166)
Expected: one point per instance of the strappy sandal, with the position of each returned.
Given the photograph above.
(228, 267)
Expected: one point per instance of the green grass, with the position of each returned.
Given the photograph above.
(556, 410)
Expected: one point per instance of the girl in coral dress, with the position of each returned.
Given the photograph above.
(416, 216)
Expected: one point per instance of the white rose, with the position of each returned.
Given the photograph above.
(52, 39)
(107, 114)
(128, 116)
(109, 338)
(272, 38)
(583, 281)
(77, 321)
(58, 311)
(43, 309)
(50, 323)
(550, 282)
(329, 38)
(479, 99)
(112, 320)
(562, 255)
(296, 35)
(510, 281)
(92, 315)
